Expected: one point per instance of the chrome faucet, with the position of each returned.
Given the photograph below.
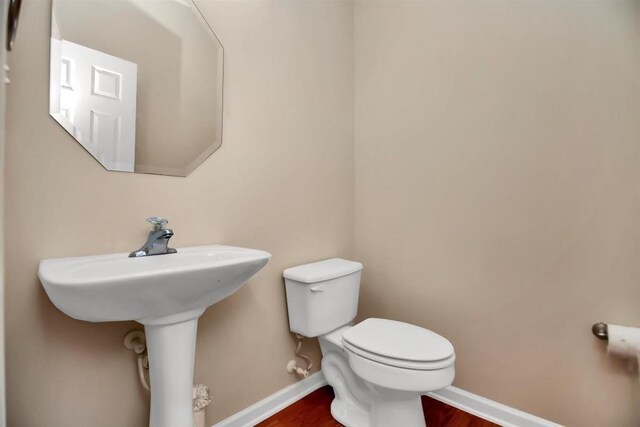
(157, 241)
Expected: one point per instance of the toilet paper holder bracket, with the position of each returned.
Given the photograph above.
(600, 330)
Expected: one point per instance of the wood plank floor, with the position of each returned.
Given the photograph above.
(314, 411)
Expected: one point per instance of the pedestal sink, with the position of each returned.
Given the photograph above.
(167, 294)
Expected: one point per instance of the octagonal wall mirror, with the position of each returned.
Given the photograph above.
(137, 83)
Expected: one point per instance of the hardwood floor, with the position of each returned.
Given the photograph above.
(314, 411)
(311, 411)
(438, 414)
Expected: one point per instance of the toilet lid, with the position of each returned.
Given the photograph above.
(392, 340)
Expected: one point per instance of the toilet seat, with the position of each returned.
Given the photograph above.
(399, 344)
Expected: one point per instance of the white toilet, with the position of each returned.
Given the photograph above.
(378, 368)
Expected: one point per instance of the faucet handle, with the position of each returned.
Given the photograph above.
(158, 222)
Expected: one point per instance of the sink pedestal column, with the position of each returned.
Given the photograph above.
(171, 350)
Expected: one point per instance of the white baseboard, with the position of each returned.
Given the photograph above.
(268, 406)
(498, 413)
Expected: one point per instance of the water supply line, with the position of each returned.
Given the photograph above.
(292, 366)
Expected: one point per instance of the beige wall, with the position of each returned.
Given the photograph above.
(498, 191)
(282, 181)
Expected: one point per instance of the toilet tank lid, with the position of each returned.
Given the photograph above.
(322, 270)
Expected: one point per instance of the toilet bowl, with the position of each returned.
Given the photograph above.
(377, 368)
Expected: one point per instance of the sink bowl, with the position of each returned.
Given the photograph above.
(167, 294)
(152, 289)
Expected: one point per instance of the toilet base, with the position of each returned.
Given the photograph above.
(360, 403)
(392, 408)
(383, 412)
(349, 415)
(352, 404)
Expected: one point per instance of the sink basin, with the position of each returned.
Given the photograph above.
(167, 294)
(149, 289)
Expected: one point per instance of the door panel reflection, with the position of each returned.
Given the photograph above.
(94, 99)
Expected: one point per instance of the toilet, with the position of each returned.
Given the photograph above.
(378, 368)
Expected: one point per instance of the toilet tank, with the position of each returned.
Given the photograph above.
(322, 296)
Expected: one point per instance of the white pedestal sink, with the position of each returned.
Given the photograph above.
(167, 294)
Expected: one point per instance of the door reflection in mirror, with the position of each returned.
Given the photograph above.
(94, 99)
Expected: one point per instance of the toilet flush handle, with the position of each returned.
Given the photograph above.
(316, 289)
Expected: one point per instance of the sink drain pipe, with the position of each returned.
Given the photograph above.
(135, 340)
